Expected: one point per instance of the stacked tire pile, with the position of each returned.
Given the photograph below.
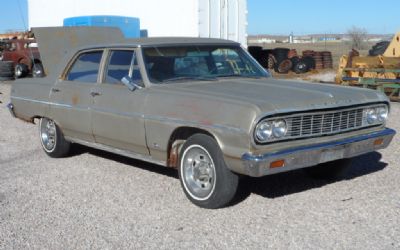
(283, 60)
(6, 70)
(322, 59)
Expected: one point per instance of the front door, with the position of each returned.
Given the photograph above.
(117, 112)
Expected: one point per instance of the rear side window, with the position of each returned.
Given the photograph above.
(86, 67)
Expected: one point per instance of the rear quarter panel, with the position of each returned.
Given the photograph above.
(30, 98)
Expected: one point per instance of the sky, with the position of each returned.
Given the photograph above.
(278, 17)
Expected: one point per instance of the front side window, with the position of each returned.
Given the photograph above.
(122, 63)
(86, 67)
(169, 64)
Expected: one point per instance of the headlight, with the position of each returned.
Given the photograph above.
(279, 128)
(376, 115)
(382, 114)
(371, 115)
(266, 130)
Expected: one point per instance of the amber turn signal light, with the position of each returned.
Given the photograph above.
(378, 142)
(277, 164)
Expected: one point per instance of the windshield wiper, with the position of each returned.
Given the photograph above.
(196, 78)
(241, 76)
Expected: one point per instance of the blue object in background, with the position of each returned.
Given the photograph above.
(130, 26)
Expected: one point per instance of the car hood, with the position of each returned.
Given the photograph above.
(271, 95)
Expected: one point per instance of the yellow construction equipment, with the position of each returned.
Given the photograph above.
(380, 72)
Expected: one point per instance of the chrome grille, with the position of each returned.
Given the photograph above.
(302, 125)
(324, 122)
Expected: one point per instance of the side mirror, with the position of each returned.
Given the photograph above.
(128, 81)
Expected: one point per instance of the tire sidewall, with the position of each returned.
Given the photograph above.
(40, 136)
(226, 182)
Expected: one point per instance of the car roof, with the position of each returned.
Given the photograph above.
(163, 41)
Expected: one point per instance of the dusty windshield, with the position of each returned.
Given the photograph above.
(171, 64)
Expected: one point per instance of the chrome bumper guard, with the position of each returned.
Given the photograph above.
(306, 156)
(11, 109)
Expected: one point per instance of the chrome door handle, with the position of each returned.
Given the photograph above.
(54, 90)
(93, 94)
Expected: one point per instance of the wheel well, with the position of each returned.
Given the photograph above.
(176, 140)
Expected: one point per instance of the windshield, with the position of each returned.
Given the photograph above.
(170, 64)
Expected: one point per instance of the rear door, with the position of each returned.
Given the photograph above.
(72, 96)
(117, 112)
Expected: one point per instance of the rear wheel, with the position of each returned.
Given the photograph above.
(204, 176)
(52, 139)
(37, 70)
(329, 170)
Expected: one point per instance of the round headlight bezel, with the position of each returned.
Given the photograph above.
(382, 114)
(268, 130)
(371, 115)
(263, 131)
(279, 128)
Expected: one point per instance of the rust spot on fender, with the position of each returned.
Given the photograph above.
(75, 99)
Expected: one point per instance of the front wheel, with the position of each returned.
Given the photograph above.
(203, 174)
(21, 70)
(52, 139)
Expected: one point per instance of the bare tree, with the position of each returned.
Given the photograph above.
(358, 37)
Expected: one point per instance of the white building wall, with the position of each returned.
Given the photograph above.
(159, 17)
(205, 18)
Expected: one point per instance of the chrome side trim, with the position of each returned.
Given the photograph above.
(130, 114)
(117, 151)
(10, 107)
(146, 117)
(43, 102)
(305, 156)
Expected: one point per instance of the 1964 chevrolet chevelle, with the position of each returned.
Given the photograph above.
(203, 106)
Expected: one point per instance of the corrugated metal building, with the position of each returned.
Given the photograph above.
(197, 18)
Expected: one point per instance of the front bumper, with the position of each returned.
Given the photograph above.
(306, 156)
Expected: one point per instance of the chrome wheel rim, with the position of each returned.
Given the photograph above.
(18, 71)
(48, 134)
(198, 172)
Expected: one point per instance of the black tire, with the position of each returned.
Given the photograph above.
(254, 49)
(52, 139)
(204, 176)
(263, 60)
(271, 61)
(6, 70)
(284, 66)
(300, 67)
(37, 70)
(21, 70)
(309, 61)
(295, 60)
(379, 48)
(6, 66)
(329, 170)
(8, 78)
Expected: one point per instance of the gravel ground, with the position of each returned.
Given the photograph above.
(96, 200)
